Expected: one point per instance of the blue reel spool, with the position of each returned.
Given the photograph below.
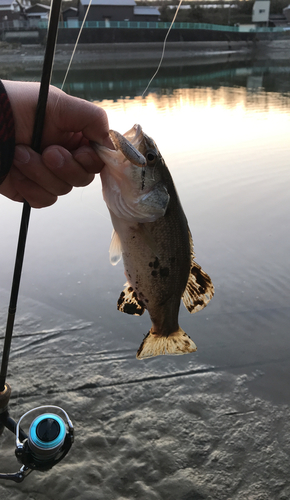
(46, 436)
(48, 441)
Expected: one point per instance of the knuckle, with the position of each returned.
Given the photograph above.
(64, 189)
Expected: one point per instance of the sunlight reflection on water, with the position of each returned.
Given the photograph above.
(228, 151)
(152, 429)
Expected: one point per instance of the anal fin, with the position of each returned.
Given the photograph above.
(175, 343)
(129, 303)
(199, 289)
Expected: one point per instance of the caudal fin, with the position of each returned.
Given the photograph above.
(155, 345)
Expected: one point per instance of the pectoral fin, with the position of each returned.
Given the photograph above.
(199, 289)
(115, 250)
(129, 303)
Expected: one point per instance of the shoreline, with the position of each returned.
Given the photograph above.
(102, 55)
(140, 55)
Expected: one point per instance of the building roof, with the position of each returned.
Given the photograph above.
(36, 6)
(74, 9)
(6, 2)
(118, 3)
(146, 11)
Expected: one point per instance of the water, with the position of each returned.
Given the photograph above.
(211, 425)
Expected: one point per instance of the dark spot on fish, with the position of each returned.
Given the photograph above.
(121, 298)
(164, 272)
(154, 273)
(156, 263)
(132, 309)
(130, 289)
(134, 295)
(146, 300)
(143, 178)
(133, 237)
(150, 264)
(200, 278)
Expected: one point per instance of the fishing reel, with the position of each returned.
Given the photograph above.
(49, 438)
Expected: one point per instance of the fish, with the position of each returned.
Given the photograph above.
(152, 235)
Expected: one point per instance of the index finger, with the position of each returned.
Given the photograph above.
(72, 114)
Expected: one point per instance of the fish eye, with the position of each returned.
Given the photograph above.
(150, 156)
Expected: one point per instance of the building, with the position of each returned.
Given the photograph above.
(261, 11)
(146, 14)
(108, 10)
(277, 21)
(71, 13)
(12, 9)
(38, 11)
(286, 13)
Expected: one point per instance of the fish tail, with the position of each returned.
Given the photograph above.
(155, 344)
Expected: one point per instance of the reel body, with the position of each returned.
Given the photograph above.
(49, 438)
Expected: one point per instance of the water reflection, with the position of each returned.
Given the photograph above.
(227, 146)
(169, 427)
(115, 83)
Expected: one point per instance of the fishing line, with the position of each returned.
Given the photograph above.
(163, 50)
(76, 44)
(161, 59)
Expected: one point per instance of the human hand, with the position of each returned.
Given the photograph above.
(67, 158)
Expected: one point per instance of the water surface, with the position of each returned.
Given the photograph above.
(213, 424)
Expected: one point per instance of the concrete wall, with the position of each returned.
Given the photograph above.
(126, 35)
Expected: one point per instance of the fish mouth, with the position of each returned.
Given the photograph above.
(133, 144)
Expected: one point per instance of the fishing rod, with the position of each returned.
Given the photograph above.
(50, 435)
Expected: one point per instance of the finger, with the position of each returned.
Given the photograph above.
(7, 188)
(89, 159)
(77, 171)
(31, 166)
(72, 114)
(35, 195)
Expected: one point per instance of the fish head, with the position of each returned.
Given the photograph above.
(133, 186)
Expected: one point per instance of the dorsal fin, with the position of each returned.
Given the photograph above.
(115, 249)
(129, 303)
(199, 289)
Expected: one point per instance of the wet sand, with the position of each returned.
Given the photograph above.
(149, 431)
